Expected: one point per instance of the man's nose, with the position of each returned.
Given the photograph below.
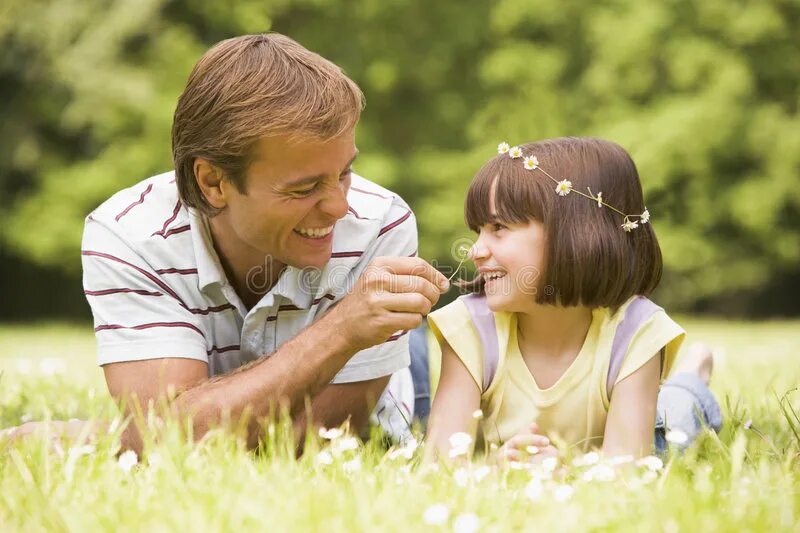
(335, 203)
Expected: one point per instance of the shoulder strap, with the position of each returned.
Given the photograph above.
(483, 320)
(637, 313)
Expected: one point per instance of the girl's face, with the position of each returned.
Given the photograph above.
(511, 259)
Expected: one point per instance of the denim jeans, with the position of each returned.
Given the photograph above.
(685, 403)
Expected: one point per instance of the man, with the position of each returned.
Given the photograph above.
(262, 271)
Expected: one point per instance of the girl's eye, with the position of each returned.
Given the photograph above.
(497, 226)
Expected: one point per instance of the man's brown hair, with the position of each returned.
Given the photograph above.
(251, 87)
(589, 259)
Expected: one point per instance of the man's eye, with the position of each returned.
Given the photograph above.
(306, 192)
(345, 174)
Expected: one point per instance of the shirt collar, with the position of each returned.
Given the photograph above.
(209, 267)
(295, 285)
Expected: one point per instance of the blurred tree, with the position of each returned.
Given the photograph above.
(703, 93)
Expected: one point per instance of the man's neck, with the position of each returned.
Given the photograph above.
(251, 272)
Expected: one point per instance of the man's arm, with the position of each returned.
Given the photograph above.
(391, 295)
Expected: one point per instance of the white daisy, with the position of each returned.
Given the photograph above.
(466, 523)
(600, 199)
(477, 414)
(530, 162)
(645, 218)
(324, 457)
(562, 493)
(515, 152)
(436, 515)
(534, 489)
(629, 225)
(503, 148)
(676, 436)
(127, 460)
(652, 463)
(354, 465)
(330, 434)
(564, 187)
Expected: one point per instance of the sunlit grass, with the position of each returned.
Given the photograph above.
(747, 478)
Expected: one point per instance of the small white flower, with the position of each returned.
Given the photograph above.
(599, 472)
(645, 218)
(534, 490)
(530, 162)
(79, 451)
(564, 187)
(345, 444)
(600, 199)
(461, 477)
(460, 439)
(481, 473)
(629, 225)
(652, 463)
(324, 458)
(562, 493)
(26, 417)
(515, 152)
(533, 450)
(466, 523)
(154, 460)
(676, 436)
(436, 515)
(549, 464)
(457, 452)
(353, 465)
(503, 148)
(620, 460)
(127, 460)
(591, 458)
(331, 434)
(477, 414)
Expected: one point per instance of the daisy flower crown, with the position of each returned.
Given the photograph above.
(564, 187)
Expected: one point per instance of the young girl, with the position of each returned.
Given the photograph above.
(558, 340)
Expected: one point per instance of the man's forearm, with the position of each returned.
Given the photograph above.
(299, 368)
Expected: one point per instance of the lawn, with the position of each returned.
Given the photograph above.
(745, 479)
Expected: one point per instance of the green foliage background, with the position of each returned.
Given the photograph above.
(703, 93)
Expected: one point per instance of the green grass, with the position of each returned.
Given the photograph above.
(745, 479)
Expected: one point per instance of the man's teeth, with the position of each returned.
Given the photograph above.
(489, 276)
(314, 233)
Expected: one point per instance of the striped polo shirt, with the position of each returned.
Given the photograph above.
(157, 289)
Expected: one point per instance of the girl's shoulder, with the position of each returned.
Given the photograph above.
(477, 335)
(637, 331)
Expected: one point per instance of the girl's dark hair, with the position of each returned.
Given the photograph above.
(589, 259)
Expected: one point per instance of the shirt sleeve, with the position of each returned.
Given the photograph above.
(453, 324)
(136, 314)
(396, 238)
(660, 331)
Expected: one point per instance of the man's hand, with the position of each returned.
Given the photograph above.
(527, 444)
(392, 294)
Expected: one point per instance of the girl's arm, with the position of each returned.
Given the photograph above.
(457, 398)
(632, 412)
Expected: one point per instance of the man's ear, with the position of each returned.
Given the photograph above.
(209, 178)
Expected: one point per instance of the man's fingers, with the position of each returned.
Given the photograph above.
(413, 266)
(410, 302)
(406, 284)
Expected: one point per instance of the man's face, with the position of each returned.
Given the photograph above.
(295, 193)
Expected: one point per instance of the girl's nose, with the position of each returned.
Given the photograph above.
(478, 251)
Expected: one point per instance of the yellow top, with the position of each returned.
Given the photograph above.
(573, 409)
